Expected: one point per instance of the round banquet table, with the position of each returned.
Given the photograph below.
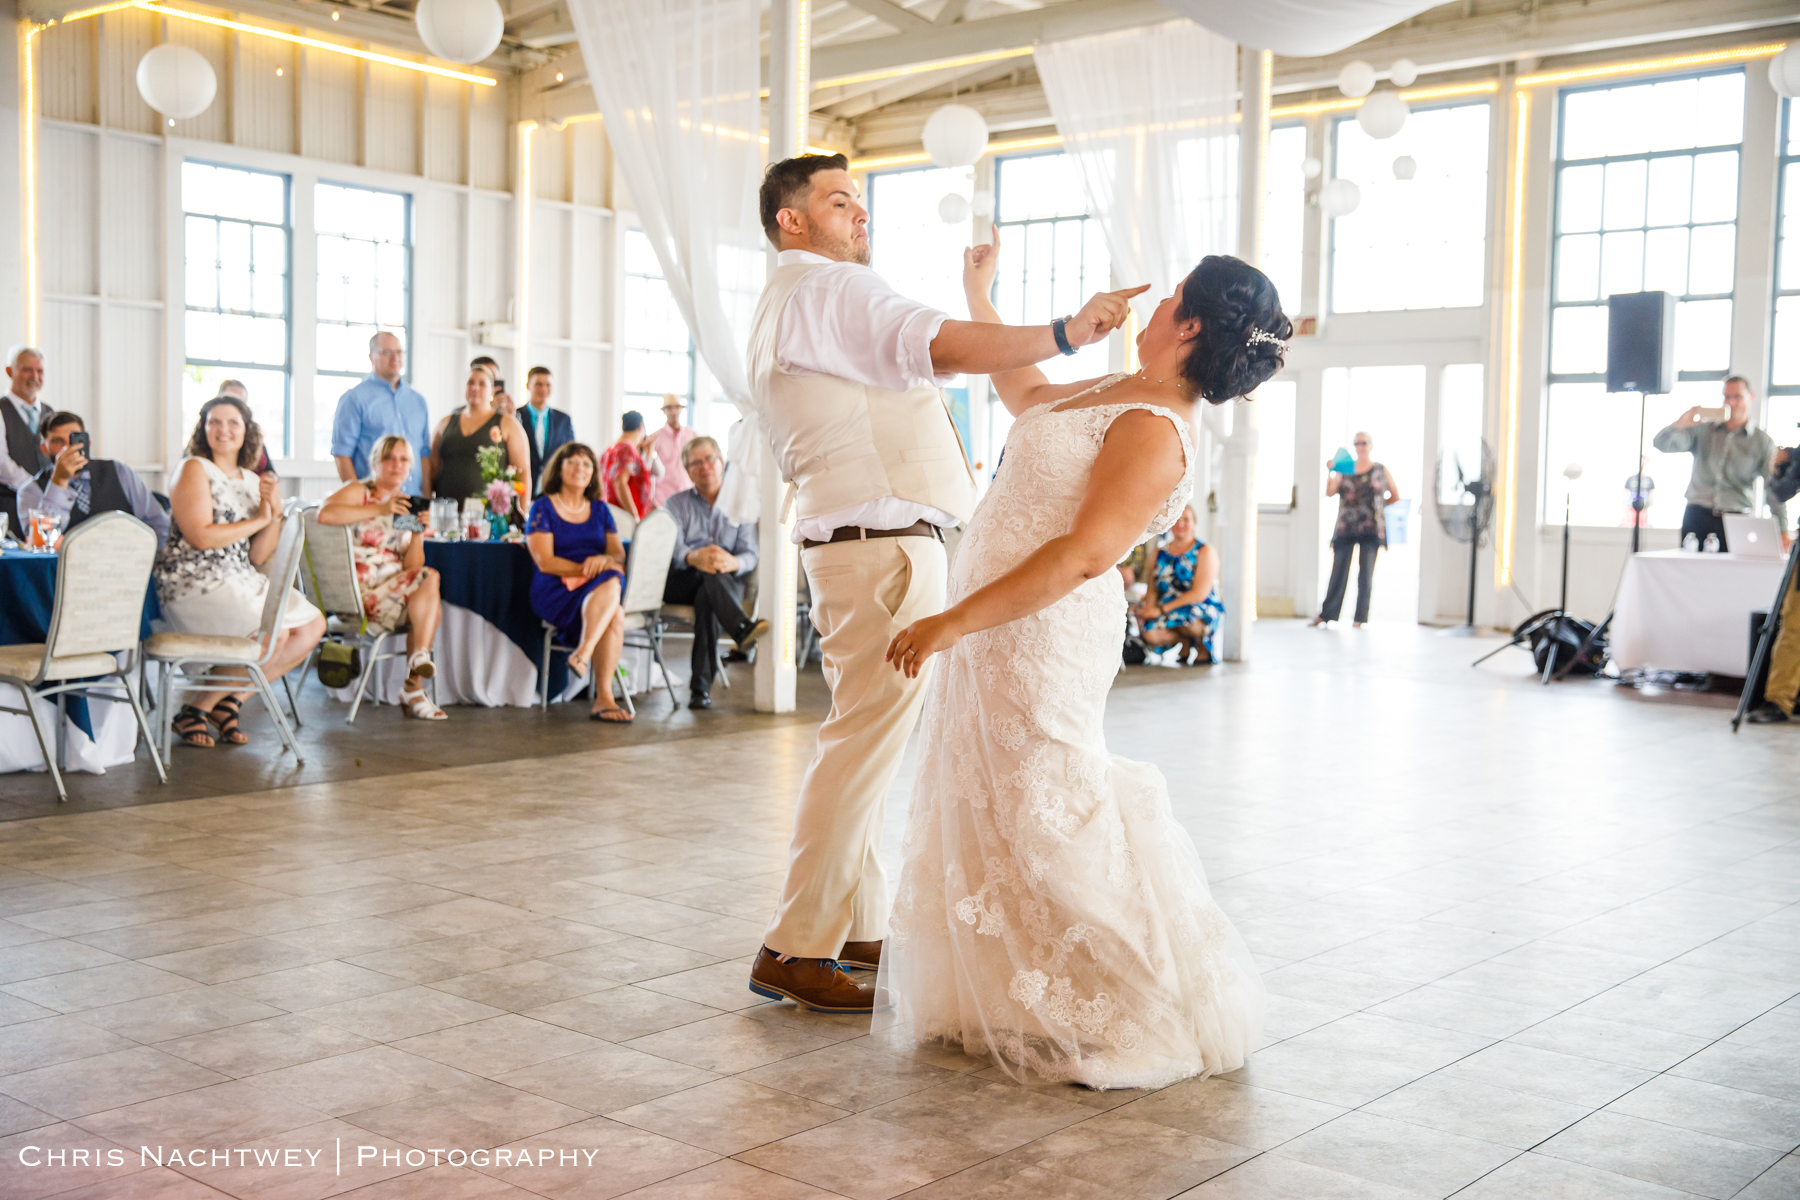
(95, 736)
(490, 640)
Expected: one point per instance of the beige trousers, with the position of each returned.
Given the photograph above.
(1784, 655)
(863, 593)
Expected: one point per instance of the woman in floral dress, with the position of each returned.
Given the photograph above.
(398, 590)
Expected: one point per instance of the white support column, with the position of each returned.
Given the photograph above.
(524, 205)
(1237, 493)
(778, 572)
(18, 214)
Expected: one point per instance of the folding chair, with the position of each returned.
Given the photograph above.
(331, 576)
(102, 570)
(646, 575)
(216, 654)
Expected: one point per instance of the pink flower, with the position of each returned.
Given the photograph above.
(494, 435)
(499, 495)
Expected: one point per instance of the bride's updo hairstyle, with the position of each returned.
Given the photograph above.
(1243, 332)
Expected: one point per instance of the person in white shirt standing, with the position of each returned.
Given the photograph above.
(844, 376)
(665, 446)
(21, 458)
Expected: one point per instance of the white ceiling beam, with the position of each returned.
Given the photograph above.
(891, 14)
(893, 91)
(950, 13)
(1053, 24)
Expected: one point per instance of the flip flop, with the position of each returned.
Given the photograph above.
(612, 716)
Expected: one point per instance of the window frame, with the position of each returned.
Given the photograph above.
(1328, 240)
(1783, 159)
(626, 274)
(1089, 223)
(286, 369)
(1557, 166)
(410, 200)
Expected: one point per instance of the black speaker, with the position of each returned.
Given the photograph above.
(1640, 343)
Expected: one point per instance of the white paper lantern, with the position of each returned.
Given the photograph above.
(1405, 167)
(1383, 114)
(983, 203)
(1404, 72)
(955, 136)
(464, 31)
(953, 209)
(1357, 79)
(1311, 167)
(1339, 198)
(1784, 71)
(176, 81)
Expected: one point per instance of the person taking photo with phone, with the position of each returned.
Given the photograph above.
(76, 486)
(398, 590)
(1730, 455)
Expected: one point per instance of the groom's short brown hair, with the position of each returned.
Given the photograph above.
(786, 181)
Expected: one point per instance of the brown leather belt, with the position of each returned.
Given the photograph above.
(856, 533)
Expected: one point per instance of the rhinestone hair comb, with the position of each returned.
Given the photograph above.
(1259, 336)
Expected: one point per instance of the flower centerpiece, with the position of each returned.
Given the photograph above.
(502, 487)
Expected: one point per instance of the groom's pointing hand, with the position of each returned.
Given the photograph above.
(1101, 315)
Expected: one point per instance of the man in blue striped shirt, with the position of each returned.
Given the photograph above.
(714, 558)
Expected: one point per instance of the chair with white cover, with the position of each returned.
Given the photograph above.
(102, 571)
(331, 584)
(214, 654)
(646, 576)
(623, 521)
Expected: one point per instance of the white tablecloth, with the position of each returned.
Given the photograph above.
(115, 734)
(1681, 611)
(478, 664)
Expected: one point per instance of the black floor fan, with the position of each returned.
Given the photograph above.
(1560, 644)
(1466, 518)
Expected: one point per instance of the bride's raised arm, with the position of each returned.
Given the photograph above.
(1026, 387)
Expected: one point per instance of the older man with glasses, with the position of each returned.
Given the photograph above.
(667, 445)
(714, 558)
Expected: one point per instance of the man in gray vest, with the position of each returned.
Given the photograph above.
(844, 375)
(20, 412)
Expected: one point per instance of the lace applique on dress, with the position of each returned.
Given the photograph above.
(1051, 912)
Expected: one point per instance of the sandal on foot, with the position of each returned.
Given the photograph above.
(612, 716)
(417, 704)
(419, 665)
(225, 716)
(190, 726)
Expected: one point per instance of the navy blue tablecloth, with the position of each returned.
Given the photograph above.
(493, 581)
(27, 599)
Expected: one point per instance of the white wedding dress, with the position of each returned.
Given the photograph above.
(1051, 914)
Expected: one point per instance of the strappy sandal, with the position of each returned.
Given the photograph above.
(190, 726)
(225, 716)
(419, 665)
(417, 704)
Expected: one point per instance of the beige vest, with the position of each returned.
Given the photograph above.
(840, 443)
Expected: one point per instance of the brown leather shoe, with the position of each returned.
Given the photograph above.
(866, 955)
(815, 983)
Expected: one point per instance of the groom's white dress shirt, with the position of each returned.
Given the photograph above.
(845, 320)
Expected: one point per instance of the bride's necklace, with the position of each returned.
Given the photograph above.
(1140, 374)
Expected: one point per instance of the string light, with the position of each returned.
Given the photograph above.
(1652, 64)
(1509, 416)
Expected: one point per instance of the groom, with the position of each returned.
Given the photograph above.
(844, 373)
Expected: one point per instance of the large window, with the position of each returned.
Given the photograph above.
(1284, 214)
(918, 254)
(659, 354)
(1420, 242)
(1055, 256)
(1646, 200)
(237, 228)
(365, 284)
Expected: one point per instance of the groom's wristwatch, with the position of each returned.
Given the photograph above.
(1062, 338)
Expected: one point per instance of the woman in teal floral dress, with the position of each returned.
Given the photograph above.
(1186, 608)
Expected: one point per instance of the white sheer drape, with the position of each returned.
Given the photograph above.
(1300, 28)
(677, 84)
(1150, 116)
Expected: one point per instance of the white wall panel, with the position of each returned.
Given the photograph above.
(593, 164)
(263, 108)
(66, 72)
(125, 37)
(583, 392)
(589, 261)
(132, 216)
(391, 119)
(66, 332)
(550, 265)
(129, 410)
(490, 125)
(439, 369)
(330, 85)
(446, 130)
(67, 168)
(550, 162)
(214, 45)
(439, 235)
(490, 259)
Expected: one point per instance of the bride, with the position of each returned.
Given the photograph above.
(1051, 913)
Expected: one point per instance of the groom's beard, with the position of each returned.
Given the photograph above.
(847, 249)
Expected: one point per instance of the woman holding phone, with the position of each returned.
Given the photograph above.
(398, 590)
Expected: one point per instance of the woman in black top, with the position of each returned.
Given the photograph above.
(1362, 495)
(454, 471)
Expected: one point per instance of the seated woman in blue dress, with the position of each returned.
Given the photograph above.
(1186, 608)
(577, 587)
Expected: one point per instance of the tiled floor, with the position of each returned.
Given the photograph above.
(1520, 942)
